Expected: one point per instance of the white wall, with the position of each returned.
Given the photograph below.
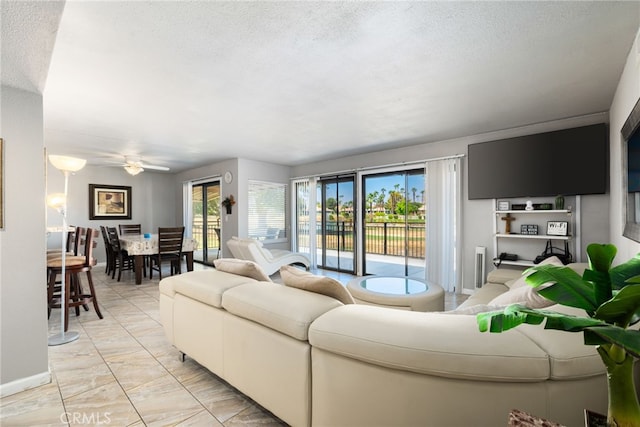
(23, 302)
(153, 201)
(627, 95)
(229, 225)
(477, 221)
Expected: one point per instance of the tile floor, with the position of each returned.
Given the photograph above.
(122, 372)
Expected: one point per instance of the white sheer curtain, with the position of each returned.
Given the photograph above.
(443, 260)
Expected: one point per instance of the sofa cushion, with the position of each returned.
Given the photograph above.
(485, 294)
(428, 343)
(242, 267)
(296, 278)
(206, 286)
(284, 309)
(503, 275)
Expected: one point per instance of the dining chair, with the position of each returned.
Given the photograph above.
(110, 264)
(130, 229)
(122, 260)
(169, 251)
(75, 295)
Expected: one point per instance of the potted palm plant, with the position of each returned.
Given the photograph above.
(611, 298)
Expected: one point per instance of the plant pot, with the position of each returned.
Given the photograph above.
(228, 210)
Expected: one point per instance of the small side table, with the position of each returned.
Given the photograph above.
(397, 292)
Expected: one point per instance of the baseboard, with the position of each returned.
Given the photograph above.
(24, 384)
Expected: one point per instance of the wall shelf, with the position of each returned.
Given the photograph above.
(532, 236)
(529, 246)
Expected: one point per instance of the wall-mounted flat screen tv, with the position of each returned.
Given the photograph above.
(567, 162)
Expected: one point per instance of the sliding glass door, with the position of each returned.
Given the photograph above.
(334, 217)
(205, 221)
(394, 223)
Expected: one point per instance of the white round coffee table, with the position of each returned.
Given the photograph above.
(397, 292)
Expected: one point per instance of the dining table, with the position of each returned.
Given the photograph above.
(139, 245)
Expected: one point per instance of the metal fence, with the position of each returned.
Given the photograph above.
(383, 238)
(213, 239)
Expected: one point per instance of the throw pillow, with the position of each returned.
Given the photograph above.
(523, 293)
(296, 278)
(526, 296)
(242, 267)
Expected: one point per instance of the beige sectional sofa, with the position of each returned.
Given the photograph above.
(312, 360)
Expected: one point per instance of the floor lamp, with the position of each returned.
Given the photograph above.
(66, 165)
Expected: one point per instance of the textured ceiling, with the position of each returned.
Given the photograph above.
(183, 84)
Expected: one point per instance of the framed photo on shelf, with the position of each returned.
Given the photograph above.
(504, 205)
(557, 228)
(109, 202)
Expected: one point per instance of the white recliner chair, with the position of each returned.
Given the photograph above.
(269, 259)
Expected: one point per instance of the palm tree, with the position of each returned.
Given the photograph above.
(413, 192)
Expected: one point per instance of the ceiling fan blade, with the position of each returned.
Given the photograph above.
(153, 167)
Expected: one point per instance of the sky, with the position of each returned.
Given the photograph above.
(378, 182)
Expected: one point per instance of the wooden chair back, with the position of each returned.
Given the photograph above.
(90, 243)
(130, 229)
(170, 241)
(80, 239)
(114, 239)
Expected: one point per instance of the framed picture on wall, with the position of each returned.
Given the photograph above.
(109, 202)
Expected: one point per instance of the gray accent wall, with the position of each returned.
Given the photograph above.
(23, 299)
(153, 202)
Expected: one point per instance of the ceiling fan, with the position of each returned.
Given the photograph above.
(133, 165)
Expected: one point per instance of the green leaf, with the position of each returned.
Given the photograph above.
(623, 309)
(601, 284)
(503, 320)
(628, 339)
(569, 288)
(571, 323)
(620, 274)
(601, 256)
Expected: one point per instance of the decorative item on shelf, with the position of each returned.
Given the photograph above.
(542, 206)
(557, 228)
(504, 205)
(507, 218)
(559, 202)
(529, 229)
(610, 297)
(518, 207)
(529, 206)
(228, 202)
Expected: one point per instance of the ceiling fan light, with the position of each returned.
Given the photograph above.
(133, 169)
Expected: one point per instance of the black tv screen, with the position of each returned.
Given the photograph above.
(567, 162)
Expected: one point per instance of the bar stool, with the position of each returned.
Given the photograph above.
(74, 293)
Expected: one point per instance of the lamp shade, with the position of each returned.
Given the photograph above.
(56, 200)
(66, 163)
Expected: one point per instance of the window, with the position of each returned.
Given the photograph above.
(267, 210)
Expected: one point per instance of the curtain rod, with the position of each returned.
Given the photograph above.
(366, 168)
